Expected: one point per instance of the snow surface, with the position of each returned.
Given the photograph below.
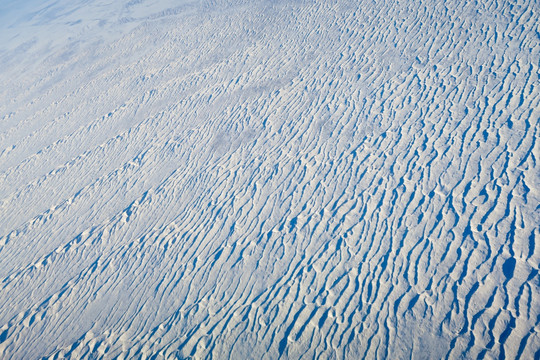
(269, 179)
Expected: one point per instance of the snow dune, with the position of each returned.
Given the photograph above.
(269, 179)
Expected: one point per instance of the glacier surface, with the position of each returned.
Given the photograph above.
(233, 179)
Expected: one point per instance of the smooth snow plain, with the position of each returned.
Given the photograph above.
(233, 179)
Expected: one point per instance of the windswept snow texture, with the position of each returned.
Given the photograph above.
(234, 179)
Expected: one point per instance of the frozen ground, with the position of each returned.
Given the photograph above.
(269, 179)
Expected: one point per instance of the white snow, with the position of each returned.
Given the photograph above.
(269, 179)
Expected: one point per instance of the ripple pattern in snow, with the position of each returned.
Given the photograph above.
(270, 179)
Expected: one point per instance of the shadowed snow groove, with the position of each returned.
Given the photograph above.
(270, 179)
